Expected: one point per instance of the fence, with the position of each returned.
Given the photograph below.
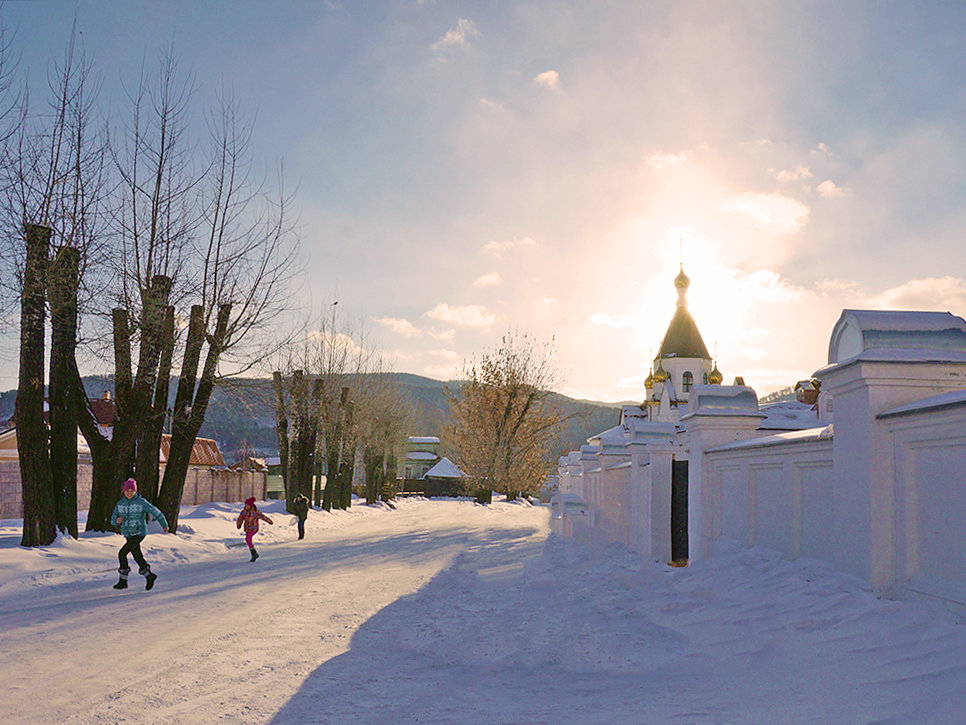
(202, 485)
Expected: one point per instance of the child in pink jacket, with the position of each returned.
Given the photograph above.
(250, 516)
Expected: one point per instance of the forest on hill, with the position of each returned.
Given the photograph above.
(241, 413)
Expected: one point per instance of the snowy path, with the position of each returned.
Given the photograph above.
(224, 640)
(447, 612)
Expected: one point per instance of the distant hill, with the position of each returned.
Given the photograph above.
(242, 414)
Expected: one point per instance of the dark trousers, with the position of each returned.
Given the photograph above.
(301, 528)
(132, 547)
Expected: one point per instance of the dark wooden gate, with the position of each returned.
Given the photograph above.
(679, 511)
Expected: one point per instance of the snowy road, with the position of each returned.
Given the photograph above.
(223, 639)
(449, 612)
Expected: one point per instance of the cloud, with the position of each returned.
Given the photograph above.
(399, 326)
(443, 335)
(776, 213)
(829, 190)
(466, 316)
(931, 293)
(549, 78)
(491, 279)
(796, 174)
(768, 286)
(336, 341)
(821, 149)
(456, 37)
(620, 322)
(662, 160)
(497, 248)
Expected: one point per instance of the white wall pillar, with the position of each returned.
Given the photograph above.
(717, 414)
(863, 456)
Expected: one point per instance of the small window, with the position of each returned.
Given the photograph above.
(686, 381)
(705, 379)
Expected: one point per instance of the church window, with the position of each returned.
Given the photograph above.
(686, 381)
(705, 379)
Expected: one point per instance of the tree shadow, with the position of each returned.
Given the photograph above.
(484, 642)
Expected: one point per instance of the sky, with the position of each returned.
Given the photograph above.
(445, 611)
(465, 169)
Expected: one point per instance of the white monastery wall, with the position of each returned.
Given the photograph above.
(775, 495)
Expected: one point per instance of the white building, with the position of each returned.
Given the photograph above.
(880, 492)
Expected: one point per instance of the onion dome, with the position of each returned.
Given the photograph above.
(649, 381)
(715, 377)
(682, 281)
(660, 375)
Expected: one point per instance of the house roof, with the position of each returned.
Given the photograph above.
(103, 410)
(204, 453)
(444, 469)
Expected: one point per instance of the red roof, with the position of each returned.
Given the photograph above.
(103, 410)
(204, 453)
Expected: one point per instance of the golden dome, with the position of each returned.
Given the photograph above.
(649, 381)
(682, 281)
(715, 377)
(660, 375)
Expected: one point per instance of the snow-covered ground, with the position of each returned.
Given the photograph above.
(448, 612)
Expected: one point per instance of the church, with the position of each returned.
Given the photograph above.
(864, 470)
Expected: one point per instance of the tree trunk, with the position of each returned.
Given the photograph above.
(297, 437)
(39, 516)
(318, 452)
(135, 420)
(348, 459)
(62, 293)
(108, 470)
(373, 463)
(333, 447)
(281, 427)
(185, 429)
(389, 484)
(149, 446)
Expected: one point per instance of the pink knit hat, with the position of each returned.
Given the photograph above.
(129, 485)
(250, 501)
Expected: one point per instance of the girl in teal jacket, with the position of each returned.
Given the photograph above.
(130, 514)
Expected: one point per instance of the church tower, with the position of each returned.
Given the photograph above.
(682, 360)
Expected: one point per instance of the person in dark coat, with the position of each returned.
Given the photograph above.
(301, 506)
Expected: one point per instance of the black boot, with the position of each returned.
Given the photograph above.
(149, 577)
(122, 581)
(254, 554)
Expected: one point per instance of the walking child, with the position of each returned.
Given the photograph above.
(250, 516)
(301, 506)
(130, 513)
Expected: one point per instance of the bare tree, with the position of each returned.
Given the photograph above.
(54, 182)
(503, 422)
(243, 264)
(382, 417)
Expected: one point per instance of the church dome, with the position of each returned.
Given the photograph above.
(715, 377)
(682, 281)
(660, 375)
(649, 381)
(682, 338)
